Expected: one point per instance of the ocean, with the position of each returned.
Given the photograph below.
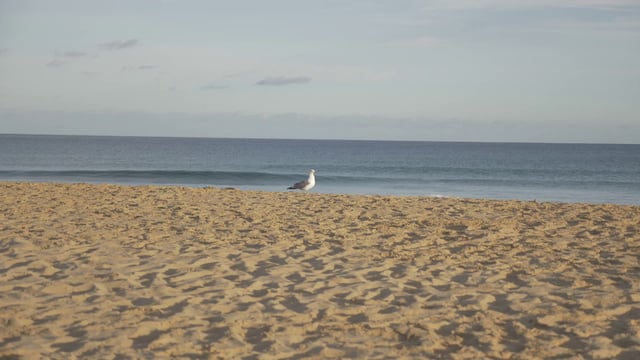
(585, 173)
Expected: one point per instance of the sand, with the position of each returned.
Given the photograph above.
(106, 271)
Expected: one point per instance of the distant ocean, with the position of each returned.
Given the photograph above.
(591, 173)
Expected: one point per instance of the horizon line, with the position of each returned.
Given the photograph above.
(323, 139)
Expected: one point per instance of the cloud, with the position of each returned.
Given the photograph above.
(72, 54)
(55, 63)
(138, 68)
(214, 87)
(119, 44)
(478, 4)
(61, 58)
(283, 80)
(535, 16)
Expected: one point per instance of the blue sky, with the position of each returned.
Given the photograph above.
(481, 70)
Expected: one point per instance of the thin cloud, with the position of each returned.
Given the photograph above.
(61, 58)
(478, 4)
(55, 63)
(138, 68)
(72, 54)
(214, 87)
(538, 15)
(119, 44)
(283, 80)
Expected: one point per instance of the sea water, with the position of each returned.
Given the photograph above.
(592, 173)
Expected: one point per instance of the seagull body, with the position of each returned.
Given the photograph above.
(306, 184)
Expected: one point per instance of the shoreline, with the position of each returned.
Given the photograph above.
(98, 270)
(282, 189)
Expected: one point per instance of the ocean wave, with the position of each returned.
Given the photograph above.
(150, 176)
(192, 177)
(257, 178)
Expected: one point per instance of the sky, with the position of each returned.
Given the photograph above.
(434, 70)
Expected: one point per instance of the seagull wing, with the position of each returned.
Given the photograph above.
(300, 185)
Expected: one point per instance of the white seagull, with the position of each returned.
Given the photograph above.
(306, 184)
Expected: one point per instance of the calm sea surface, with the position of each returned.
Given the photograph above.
(543, 172)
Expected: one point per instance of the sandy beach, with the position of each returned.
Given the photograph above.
(129, 272)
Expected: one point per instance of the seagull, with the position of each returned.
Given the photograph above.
(306, 184)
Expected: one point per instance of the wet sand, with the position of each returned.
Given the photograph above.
(106, 271)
